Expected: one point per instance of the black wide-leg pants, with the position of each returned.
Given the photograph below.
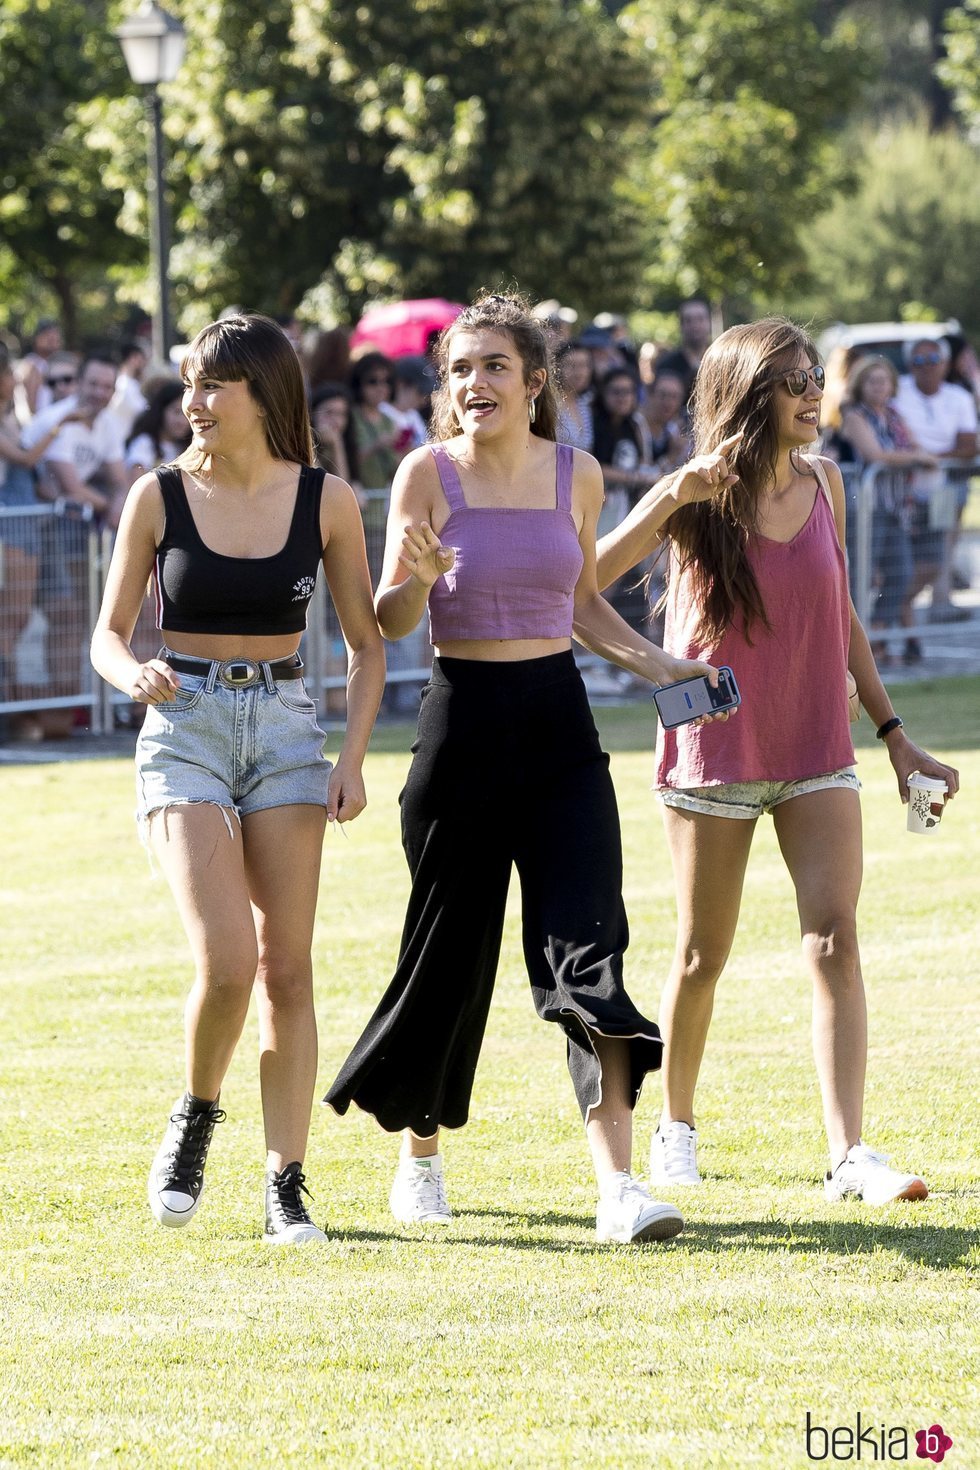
(507, 769)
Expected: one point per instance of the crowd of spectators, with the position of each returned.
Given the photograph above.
(77, 430)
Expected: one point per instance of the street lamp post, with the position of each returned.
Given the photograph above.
(153, 44)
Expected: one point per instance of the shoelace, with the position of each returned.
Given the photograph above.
(679, 1150)
(190, 1151)
(626, 1186)
(423, 1184)
(285, 1199)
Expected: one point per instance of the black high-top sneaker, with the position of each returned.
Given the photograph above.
(287, 1220)
(177, 1173)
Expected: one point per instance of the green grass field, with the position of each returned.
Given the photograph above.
(511, 1338)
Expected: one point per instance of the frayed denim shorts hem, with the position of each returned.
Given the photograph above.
(746, 800)
(242, 749)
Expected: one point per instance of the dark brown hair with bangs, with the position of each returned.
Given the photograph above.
(735, 390)
(511, 316)
(252, 349)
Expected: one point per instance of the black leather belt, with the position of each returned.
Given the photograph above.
(237, 673)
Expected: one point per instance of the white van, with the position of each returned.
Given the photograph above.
(882, 339)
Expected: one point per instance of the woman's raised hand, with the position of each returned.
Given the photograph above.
(424, 555)
(706, 474)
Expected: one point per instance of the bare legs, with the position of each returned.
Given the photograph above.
(820, 839)
(709, 855)
(821, 844)
(247, 901)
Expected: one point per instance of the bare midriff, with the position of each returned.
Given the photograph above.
(502, 650)
(260, 647)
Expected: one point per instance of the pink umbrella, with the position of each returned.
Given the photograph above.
(404, 328)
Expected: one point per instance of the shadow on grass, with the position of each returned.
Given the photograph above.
(938, 1248)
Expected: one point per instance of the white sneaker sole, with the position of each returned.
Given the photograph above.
(915, 1189)
(661, 1224)
(295, 1235)
(410, 1219)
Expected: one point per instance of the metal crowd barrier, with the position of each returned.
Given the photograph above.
(54, 560)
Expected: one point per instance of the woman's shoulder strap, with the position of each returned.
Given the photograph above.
(814, 463)
(448, 477)
(564, 473)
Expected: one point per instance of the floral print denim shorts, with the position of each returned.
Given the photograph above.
(746, 800)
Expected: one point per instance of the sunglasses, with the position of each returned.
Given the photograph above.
(926, 359)
(377, 382)
(61, 382)
(797, 380)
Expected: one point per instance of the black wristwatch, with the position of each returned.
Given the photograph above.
(895, 723)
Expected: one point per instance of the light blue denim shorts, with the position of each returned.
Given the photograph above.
(746, 800)
(242, 748)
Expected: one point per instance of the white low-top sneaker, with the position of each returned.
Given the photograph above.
(287, 1220)
(176, 1180)
(674, 1155)
(418, 1194)
(628, 1213)
(866, 1175)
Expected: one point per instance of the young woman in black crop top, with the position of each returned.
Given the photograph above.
(234, 790)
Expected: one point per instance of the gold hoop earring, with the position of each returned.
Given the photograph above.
(532, 409)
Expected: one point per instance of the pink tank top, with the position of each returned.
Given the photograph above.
(516, 569)
(793, 721)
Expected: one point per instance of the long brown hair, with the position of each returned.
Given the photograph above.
(735, 390)
(510, 315)
(252, 349)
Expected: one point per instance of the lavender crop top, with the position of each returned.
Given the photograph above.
(516, 569)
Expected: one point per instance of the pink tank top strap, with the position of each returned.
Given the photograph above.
(448, 477)
(565, 470)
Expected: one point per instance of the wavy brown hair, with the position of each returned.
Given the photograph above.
(735, 390)
(511, 316)
(253, 349)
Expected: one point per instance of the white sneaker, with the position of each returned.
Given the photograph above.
(867, 1176)
(673, 1155)
(418, 1194)
(627, 1212)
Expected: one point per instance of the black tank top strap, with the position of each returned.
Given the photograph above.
(306, 519)
(177, 512)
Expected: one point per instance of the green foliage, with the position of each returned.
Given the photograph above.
(749, 99)
(58, 220)
(907, 235)
(337, 153)
(961, 69)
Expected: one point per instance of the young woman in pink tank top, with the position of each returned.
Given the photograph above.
(754, 528)
(493, 530)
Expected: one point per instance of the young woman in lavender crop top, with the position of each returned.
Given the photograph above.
(494, 529)
(754, 529)
(234, 789)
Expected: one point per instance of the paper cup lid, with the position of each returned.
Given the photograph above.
(927, 783)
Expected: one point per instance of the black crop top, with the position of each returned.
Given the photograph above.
(201, 591)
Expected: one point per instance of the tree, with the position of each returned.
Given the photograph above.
(324, 150)
(749, 102)
(57, 219)
(908, 235)
(961, 68)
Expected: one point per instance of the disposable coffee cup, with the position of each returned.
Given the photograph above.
(927, 797)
